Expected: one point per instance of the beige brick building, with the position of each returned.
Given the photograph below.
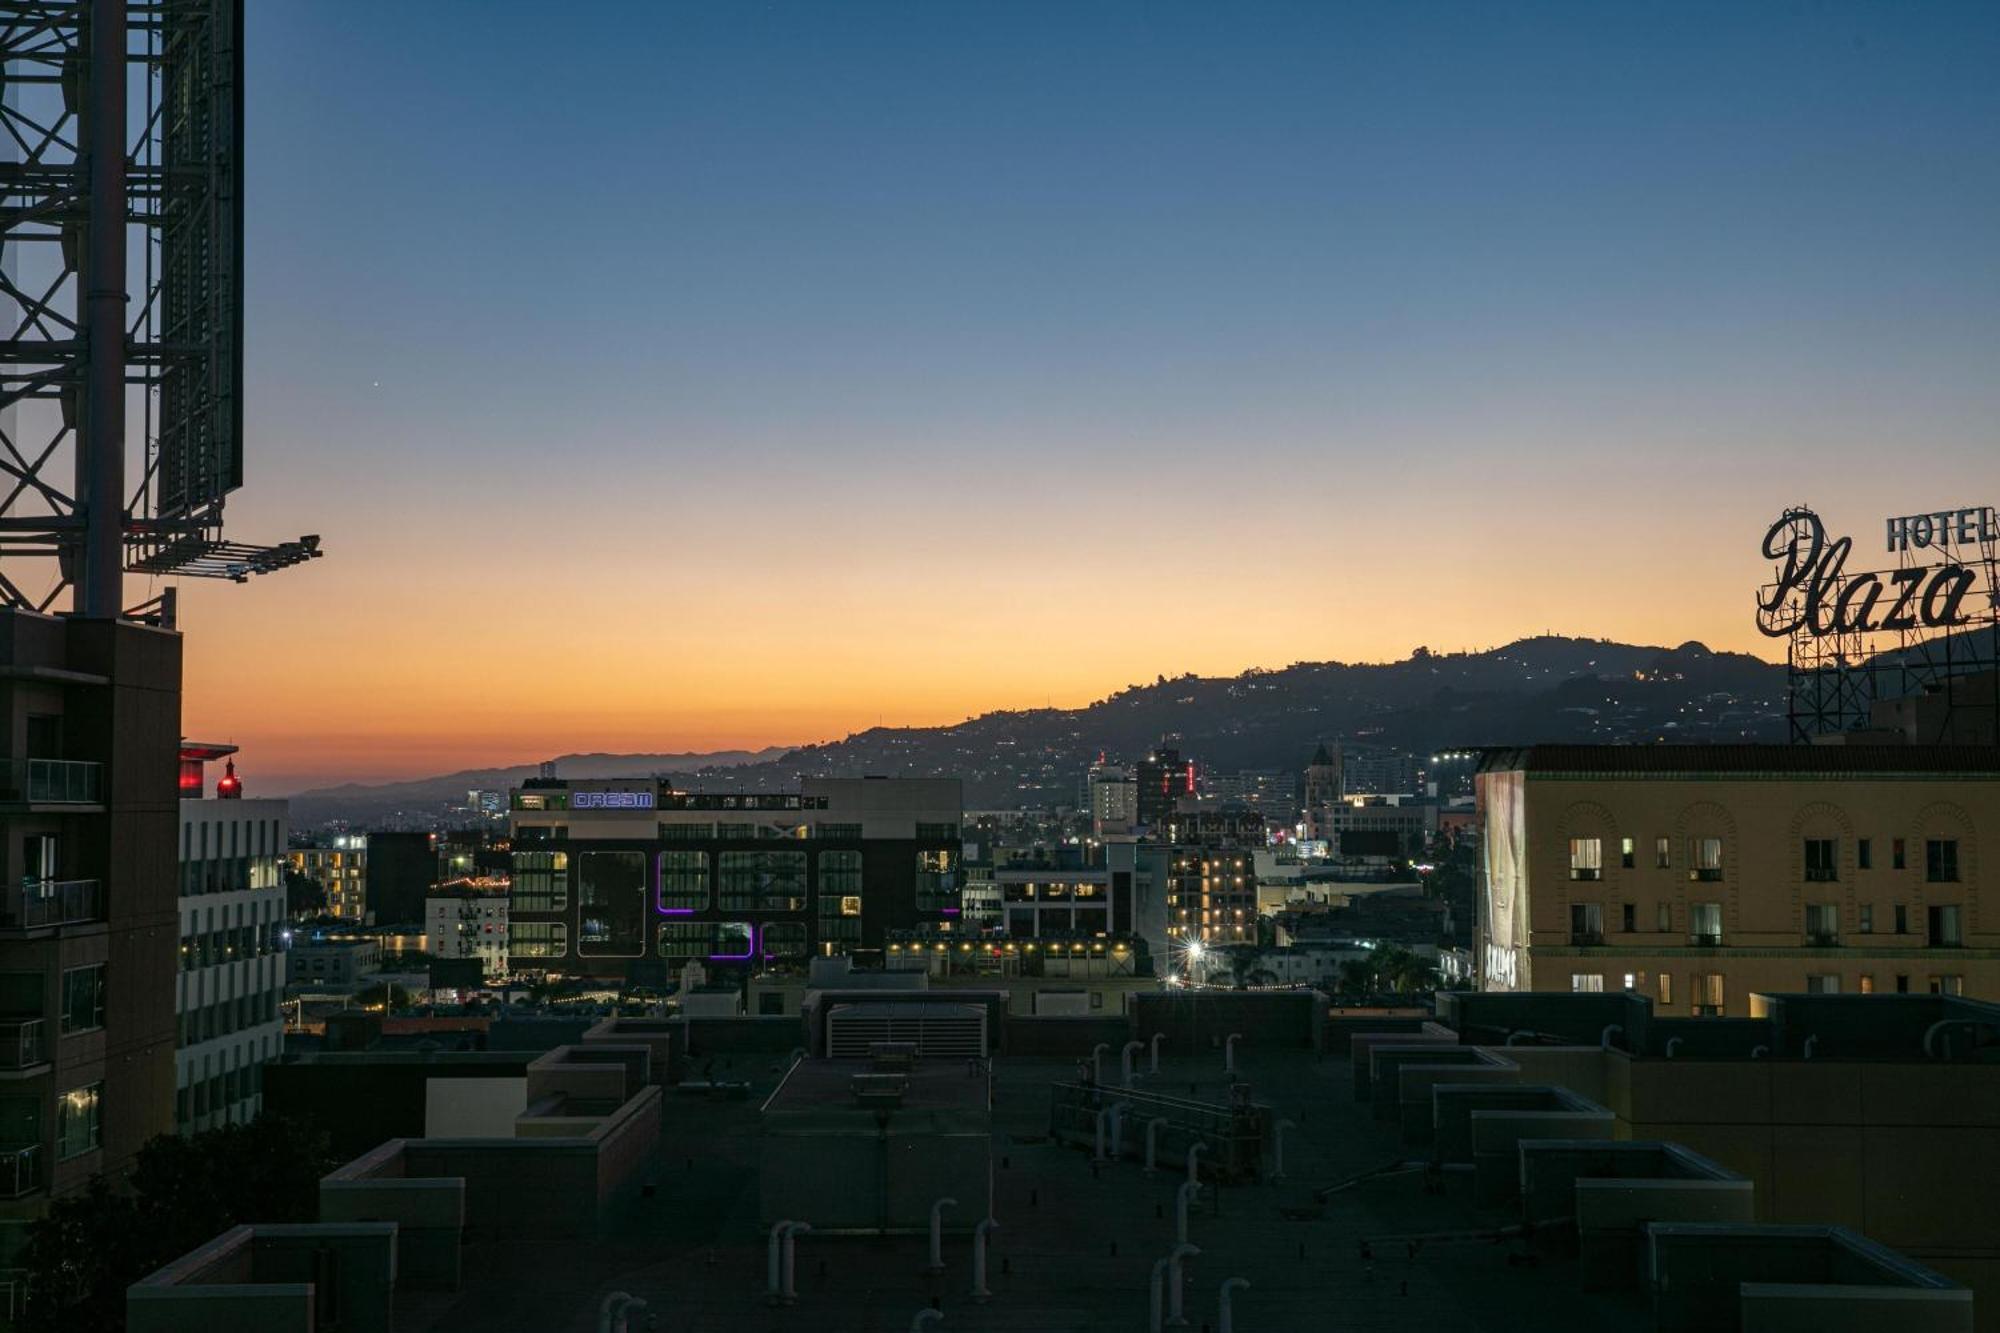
(1700, 874)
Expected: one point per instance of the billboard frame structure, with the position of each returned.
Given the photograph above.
(121, 283)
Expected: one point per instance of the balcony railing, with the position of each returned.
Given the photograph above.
(20, 1171)
(21, 1044)
(52, 781)
(1705, 940)
(37, 904)
(1586, 938)
(1823, 939)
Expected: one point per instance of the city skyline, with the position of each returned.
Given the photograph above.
(858, 358)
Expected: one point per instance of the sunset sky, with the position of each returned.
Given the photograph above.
(700, 375)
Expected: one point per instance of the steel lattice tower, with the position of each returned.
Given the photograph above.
(121, 263)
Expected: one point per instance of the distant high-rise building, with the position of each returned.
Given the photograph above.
(1163, 778)
(1114, 799)
(1212, 883)
(232, 969)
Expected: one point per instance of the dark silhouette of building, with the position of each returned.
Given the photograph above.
(1164, 777)
(402, 867)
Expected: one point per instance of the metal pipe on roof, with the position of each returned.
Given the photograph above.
(1153, 1139)
(1225, 1316)
(1278, 1148)
(1229, 1053)
(937, 1232)
(1155, 1068)
(792, 1234)
(1182, 1197)
(979, 1234)
(773, 1280)
(1132, 1048)
(1180, 1253)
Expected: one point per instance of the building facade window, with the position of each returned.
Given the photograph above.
(840, 881)
(1586, 858)
(1898, 859)
(1823, 983)
(1949, 983)
(1823, 923)
(937, 881)
(1867, 986)
(762, 881)
(1705, 923)
(83, 999)
(1864, 854)
(1662, 853)
(1586, 923)
(1587, 982)
(1666, 983)
(540, 882)
(1626, 854)
(79, 1121)
(784, 940)
(1941, 860)
(538, 939)
(611, 904)
(1708, 994)
(1822, 860)
(1705, 859)
(1663, 918)
(684, 882)
(1867, 911)
(1943, 923)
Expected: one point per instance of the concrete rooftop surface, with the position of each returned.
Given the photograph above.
(1074, 1249)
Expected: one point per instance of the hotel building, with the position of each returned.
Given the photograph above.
(1701, 874)
(631, 879)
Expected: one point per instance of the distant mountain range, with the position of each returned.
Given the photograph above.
(1543, 689)
(368, 803)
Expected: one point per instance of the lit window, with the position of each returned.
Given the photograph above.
(1586, 858)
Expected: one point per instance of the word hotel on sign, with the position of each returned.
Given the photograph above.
(1943, 528)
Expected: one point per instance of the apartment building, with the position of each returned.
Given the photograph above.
(339, 865)
(232, 969)
(89, 723)
(1698, 875)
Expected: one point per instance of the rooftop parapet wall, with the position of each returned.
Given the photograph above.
(1722, 1277)
(264, 1277)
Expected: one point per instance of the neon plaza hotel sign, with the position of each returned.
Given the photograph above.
(1814, 595)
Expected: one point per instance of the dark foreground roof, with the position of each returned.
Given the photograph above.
(1672, 761)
